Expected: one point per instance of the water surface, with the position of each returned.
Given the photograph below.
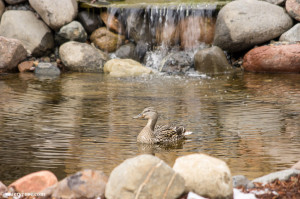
(251, 121)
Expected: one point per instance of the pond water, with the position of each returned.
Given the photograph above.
(251, 121)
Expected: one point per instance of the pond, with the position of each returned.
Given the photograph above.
(77, 121)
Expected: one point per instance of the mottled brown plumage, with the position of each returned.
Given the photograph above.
(154, 134)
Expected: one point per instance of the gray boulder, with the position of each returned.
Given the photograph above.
(144, 176)
(73, 31)
(2, 8)
(126, 51)
(14, 1)
(276, 2)
(243, 24)
(47, 69)
(12, 52)
(55, 13)
(280, 175)
(36, 37)
(82, 57)
(292, 35)
(89, 20)
(212, 61)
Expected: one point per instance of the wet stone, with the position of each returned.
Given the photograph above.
(89, 20)
(73, 31)
(47, 69)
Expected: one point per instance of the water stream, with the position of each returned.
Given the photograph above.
(251, 121)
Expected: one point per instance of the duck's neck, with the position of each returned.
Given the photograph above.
(151, 123)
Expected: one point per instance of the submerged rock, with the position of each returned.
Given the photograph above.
(106, 40)
(73, 31)
(89, 20)
(144, 176)
(212, 61)
(243, 24)
(82, 57)
(12, 52)
(274, 59)
(84, 184)
(47, 69)
(56, 13)
(292, 35)
(34, 182)
(125, 68)
(32, 32)
(205, 175)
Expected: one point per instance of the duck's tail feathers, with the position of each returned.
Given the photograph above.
(188, 133)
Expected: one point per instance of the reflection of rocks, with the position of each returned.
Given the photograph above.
(84, 184)
(82, 57)
(146, 176)
(55, 13)
(205, 175)
(71, 32)
(12, 52)
(106, 40)
(112, 22)
(125, 68)
(89, 21)
(35, 35)
(34, 182)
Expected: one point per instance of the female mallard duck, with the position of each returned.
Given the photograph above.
(152, 134)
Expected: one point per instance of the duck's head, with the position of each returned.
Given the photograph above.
(148, 113)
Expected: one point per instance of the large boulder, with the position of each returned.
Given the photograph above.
(293, 8)
(55, 13)
(12, 52)
(292, 35)
(73, 31)
(144, 176)
(124, 68)
(82, 57)
(84, 184)
(243, 24)
(106, 40)
(36, 37)
(273, 58)
(205, 175)
(89, 20)
(212, 61)
(34, 182)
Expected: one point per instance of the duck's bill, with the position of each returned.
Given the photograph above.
(138, 116)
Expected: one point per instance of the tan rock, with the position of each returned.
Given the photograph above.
(26, 66)
(106, 40)
(205, 175)
(124, 68)
(274, 59)
(296, 166)
(34, 182)
(112, 22)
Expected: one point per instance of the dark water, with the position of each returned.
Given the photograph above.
(251, 121)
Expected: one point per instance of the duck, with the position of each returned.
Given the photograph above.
(155, 134)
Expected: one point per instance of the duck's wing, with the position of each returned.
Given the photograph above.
(169, 133)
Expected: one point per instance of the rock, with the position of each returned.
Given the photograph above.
(3, 188)
(34, 182)
(14, 1)
(212, 61)
(144, 176)
(89, 20)
(106, 40)
(273, 58)
(26, 66)
(243, 24)
(167, 34)
(47, 69)
(293, 8)
(204, 175)
(280, 175)
(32, 32)
(81, 57)
(112, 23)
(126, 51)
(192, 195)
(55, 13)
(125, 68)
(2, 8)
(12, 52)
(296, 166)
(177, 62)
(194, 30)
(84, 184)
(73, 31)
(276, 2)
(140, 50)
(292, 35)
(240, 181)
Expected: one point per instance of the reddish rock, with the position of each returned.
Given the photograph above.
(12, 52)
(293, 8)
(3, 188)
(274, 59)
(26, 66)
(193, 30)
(112, 22)
(296, 166)
(34, 182)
